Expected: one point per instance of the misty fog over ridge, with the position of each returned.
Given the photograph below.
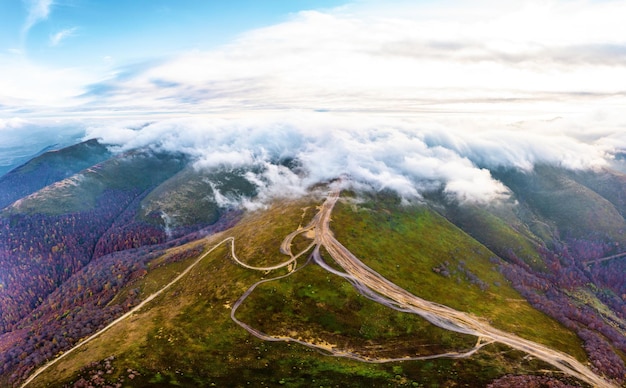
(405, 154)
(203, 111)
(397, 154)
(397, 96)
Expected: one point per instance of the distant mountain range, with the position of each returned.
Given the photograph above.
(87, 234)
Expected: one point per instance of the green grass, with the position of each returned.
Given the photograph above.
(185, 337)
(490, 228)
(133, 171)
(188, 196)
(404, 244)
(575, 209)
(324, 308)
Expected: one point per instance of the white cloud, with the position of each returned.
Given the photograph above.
(38, 10)
(26, 85)
(58, 37)
(409, 96)
(487, 58)
(381, 153)
(483, 61)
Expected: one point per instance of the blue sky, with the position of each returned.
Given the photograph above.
(452, 71)
(70, 44)
(92, 57)
(95, 33)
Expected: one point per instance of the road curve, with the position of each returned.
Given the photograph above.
(323, 348)
(440, 315)
(603, 259)
(126, 315)
(374, 286)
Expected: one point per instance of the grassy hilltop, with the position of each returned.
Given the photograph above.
(85, 246)
(186, 336)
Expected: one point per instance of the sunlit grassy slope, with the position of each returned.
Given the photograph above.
(188, 197)
(48, 168)
(500, 229)
(186, 337)
(573, 205)
(136, 171)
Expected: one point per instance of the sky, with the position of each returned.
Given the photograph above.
(414, 86)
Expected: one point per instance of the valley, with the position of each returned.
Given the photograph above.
(375, 287)
(359, 277)
(329, 193)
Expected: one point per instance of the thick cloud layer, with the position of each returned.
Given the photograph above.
(488, 58)
(481, 57)
(402, 95)
(379, 153)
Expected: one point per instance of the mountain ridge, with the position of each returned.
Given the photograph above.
(527, 251)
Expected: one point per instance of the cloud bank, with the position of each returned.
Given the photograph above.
(487, 59)
(401, 95)
(379, 153)
(482, 57)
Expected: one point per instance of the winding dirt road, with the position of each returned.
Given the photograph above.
(126, 315)
(374, 286)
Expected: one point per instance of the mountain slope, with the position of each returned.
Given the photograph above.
(47, 236)
(137, 171)
(193, 197)
(78, 253)
(576, 210)
(186, 336)
(48, 168)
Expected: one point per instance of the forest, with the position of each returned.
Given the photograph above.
(61, 272)
(554, 293)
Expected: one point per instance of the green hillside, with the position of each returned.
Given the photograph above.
(501, 230)
(185, 337)
(576, 210)
(136, 170)
(48, 168)
(189, 197)
(72, 158)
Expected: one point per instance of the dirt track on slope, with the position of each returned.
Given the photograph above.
(373, 286)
